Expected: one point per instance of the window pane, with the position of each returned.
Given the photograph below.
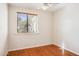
(22, 22)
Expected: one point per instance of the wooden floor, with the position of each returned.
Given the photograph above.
(48, 50)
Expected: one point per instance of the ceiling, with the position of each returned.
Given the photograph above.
(36, 6)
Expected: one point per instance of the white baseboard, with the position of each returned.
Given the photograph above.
(31, 46)
(72, 51)
(68, 49)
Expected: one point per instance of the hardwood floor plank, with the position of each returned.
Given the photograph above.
(48, 50)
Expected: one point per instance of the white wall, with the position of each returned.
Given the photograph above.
(21, 40)
(3, 29)
(66, 27)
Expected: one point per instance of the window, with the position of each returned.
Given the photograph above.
(27, 23)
